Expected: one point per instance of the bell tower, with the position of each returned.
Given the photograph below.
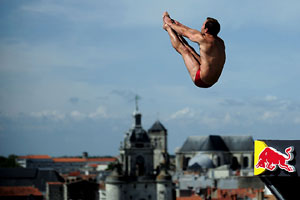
(134, 176)
(137, 151)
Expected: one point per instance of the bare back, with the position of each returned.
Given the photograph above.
(212, 53)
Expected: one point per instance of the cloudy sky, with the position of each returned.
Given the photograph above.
(70, 69)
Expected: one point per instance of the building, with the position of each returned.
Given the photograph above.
(142, 171)
(217, 167)
(77, 189)
(158, 136)
(65, 165)
(219, 152)
(29, 161)
(20, 177)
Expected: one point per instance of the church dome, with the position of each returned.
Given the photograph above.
(139, 135)
(200, 161)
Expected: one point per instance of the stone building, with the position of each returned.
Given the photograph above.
(142, 172)
(75, 190)
(158, 137)
(37, 178)
(214, 151)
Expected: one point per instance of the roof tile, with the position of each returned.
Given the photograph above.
(19, 191)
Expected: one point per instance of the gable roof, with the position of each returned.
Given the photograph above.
(217, 143)
(204, 143)
(239, 143)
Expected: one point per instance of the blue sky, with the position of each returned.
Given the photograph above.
(70, 69)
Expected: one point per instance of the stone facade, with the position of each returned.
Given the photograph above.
(141, 173)
(234, 151)
(158, 137)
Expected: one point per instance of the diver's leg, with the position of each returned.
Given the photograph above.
(189, 56)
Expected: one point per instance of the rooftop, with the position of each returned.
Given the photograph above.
(19, 191)
(217, 143)
(35, 157)
(157, 126)
(193, 197)
(69, 159)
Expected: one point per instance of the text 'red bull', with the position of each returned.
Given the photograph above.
(270, 158)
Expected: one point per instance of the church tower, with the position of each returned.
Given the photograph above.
(137, 152)
(158, 136)
(134, 177)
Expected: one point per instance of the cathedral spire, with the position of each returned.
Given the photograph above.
(136, 114)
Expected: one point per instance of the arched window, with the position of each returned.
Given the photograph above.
(235, 164)
(185, 163)
(140, 165)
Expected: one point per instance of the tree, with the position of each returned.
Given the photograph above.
(9, 162)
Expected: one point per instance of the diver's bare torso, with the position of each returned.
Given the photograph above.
(212, 54)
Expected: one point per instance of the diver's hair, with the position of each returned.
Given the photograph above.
(213, 26)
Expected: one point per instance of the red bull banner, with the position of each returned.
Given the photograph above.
(276, 157)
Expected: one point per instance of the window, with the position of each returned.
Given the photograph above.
(217, 160)
(140, 165)
(245, 162)
(235, 164)
(185, 163)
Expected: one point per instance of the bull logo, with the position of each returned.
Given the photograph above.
(270, 159)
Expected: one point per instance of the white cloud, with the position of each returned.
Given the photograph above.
(77, 115)
(48, 114)
(100, 112)
(185, 112)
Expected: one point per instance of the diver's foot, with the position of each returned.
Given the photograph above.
(165, 26)
(167, 19)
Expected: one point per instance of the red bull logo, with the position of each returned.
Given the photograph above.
(270, 159)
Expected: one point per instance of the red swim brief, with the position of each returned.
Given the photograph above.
(199, 82)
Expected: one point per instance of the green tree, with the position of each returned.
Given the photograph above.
(9, 162)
